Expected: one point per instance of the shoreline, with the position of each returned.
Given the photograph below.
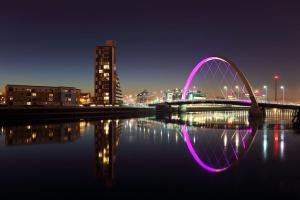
(18, 113)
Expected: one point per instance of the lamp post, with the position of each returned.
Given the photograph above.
(266, 92)
(276, 77)
(282, 88)
(238, 89)
(226, 93)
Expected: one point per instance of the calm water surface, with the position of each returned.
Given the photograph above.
(208, 154)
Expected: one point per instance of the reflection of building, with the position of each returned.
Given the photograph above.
(106, 141)
(42, 134)
(107, 84)
(41, 95)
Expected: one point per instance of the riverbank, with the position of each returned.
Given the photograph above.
(25, 113)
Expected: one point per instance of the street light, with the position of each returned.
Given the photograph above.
(276, 78)
(238, 89)
(282, 87)
(266, 94)
(225, 88)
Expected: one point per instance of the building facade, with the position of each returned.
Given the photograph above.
(107, 83)
(20, 95)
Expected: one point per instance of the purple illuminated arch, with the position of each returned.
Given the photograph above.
(233, 66)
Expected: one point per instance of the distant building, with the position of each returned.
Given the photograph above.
(107, 84)
(2, 99)
(172, 95)
(196, 95)
(41, 95)
(144, 97)
(176, 95)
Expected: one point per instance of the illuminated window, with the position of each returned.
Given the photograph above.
(28, 103)
(100, 71)
(28, 90)
(106, 74)
(50, 95)
(33, 94)
(106, 93)
(105, 66)
(11, 98)
(106, 98)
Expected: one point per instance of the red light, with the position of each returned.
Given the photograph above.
(276, 77)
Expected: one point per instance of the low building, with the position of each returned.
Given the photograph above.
(85, 98)
(20, 95)
(2, 99)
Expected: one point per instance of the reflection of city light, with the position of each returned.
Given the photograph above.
(237, 140)
(225, 140)
(100, 155)
(282, 149)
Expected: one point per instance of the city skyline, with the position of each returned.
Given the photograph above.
(52, 44)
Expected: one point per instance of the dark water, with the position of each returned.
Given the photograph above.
(207, 155)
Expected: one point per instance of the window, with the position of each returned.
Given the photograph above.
(33, 94)
(28, 103)
(105, 66)
(106, 74)
(106, 98)
(50, 95)
(100, 71)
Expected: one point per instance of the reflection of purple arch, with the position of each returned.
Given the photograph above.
(255, 106)
(194, 154)
(198, 159)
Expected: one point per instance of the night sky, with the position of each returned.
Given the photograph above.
(159, 42)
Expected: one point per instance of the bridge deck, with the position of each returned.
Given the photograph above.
(263, 104)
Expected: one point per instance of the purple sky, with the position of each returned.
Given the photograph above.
(159, 42)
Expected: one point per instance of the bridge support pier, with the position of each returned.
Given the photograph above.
(256, 112)
(296, 119)
(163, 110)
(181, 108)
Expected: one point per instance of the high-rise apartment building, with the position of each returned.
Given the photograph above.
(107, 84)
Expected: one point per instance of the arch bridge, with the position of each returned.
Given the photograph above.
(256, 108)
